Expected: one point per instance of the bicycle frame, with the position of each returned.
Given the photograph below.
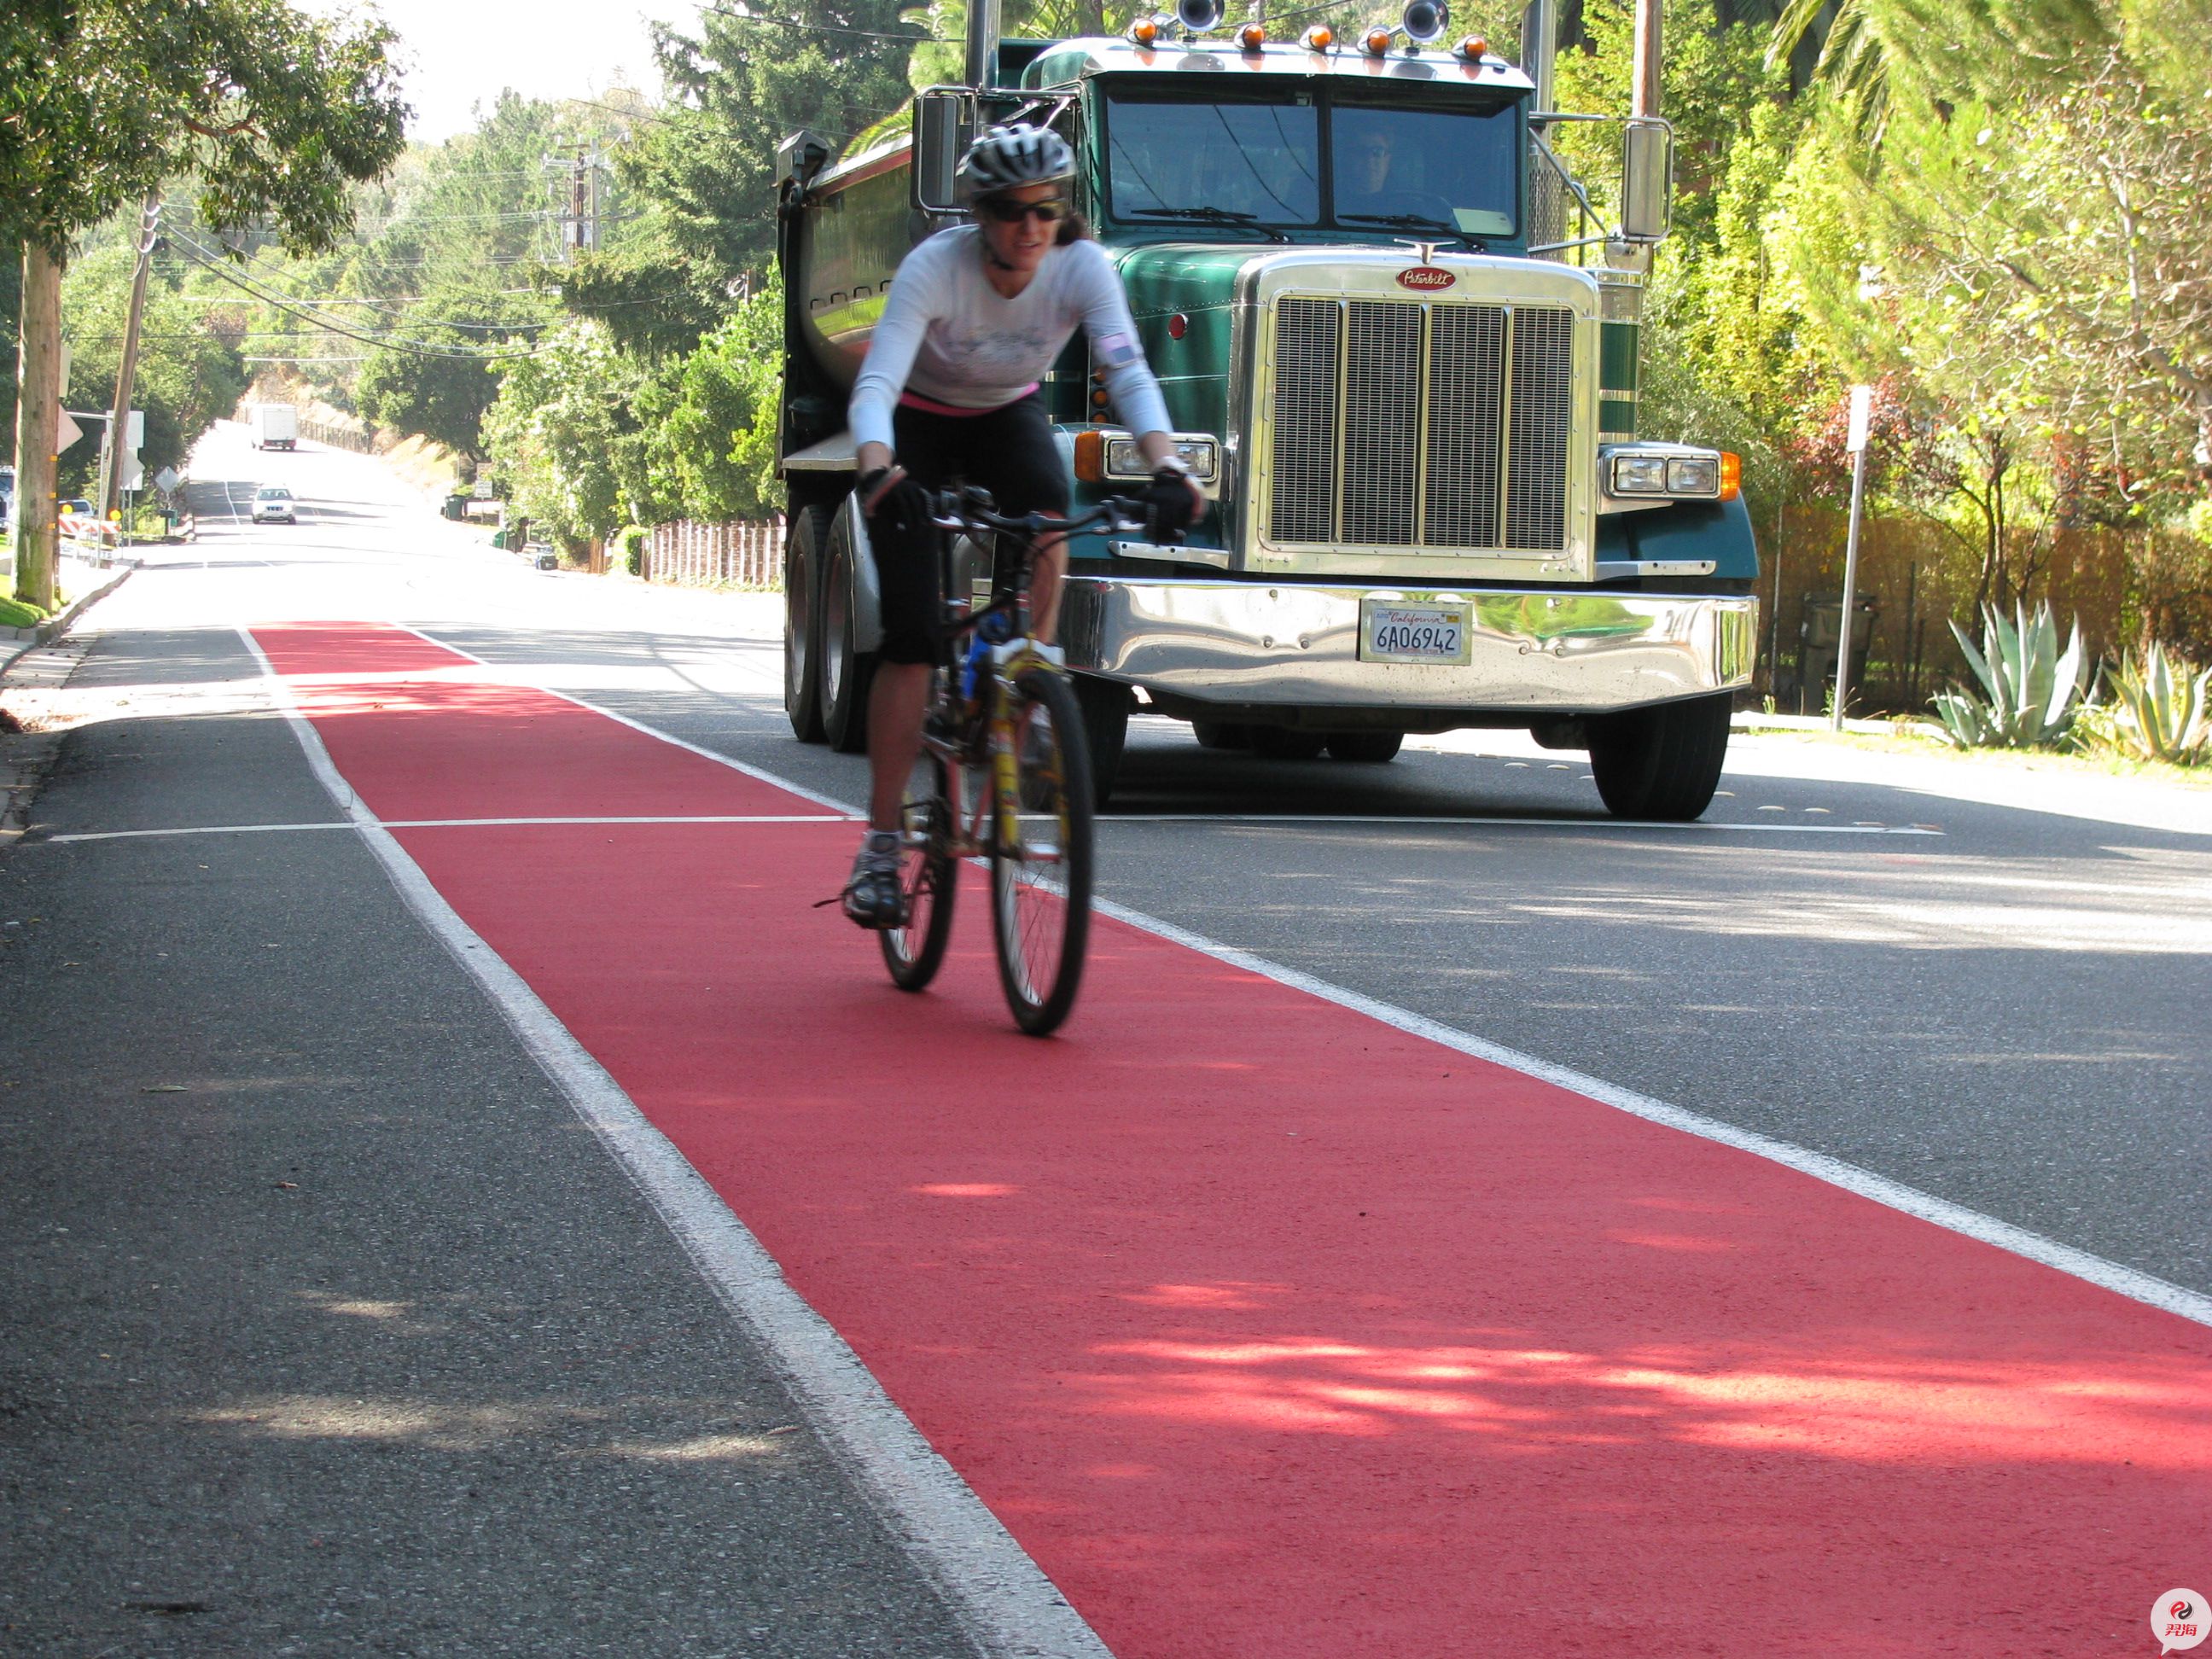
(968, 513)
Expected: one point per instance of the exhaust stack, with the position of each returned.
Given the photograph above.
(983, 23)
(1539, 43)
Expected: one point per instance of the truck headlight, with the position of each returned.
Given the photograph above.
(1103, 454)
(1639, 475)
(1644, 474)
(1125, 460)
(1694, 475)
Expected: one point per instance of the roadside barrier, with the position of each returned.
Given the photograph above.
(742, 554)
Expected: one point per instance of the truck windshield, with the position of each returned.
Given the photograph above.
(1306, 158)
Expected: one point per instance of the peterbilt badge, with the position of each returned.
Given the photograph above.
(1427, 278)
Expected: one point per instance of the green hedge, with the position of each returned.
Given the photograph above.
(630, 550)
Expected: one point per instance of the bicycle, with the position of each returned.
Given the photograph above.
(1004, 775)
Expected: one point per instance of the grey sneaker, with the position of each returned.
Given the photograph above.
(872, 896)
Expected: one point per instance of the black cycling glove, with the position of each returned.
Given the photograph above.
(1170, 506)
(905, 507)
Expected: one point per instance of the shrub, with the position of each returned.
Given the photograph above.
(2032, 687)
(629, 549)
(2162, 710)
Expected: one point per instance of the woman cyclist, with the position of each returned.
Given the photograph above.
(976, 315)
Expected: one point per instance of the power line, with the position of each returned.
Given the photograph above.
(413, 348)
(824, 28)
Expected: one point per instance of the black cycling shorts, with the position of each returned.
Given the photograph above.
(1009, 452)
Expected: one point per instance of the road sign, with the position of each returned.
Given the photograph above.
(66, 431)
(1862, 418)
(167, 479)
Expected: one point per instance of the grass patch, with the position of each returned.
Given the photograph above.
(14, 613)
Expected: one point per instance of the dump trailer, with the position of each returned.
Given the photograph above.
(1400, 348)
(276, 426)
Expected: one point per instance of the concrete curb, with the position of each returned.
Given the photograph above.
(24, 639)
(1754, 721)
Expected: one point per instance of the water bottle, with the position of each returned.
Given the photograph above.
(993, 629)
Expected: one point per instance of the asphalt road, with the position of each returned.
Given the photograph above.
(356, 1257)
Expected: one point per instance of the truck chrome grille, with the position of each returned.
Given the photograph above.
(1400, 423)
(1307, 332)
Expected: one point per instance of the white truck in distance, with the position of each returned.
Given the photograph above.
(276, 426)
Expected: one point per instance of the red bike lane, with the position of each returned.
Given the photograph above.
(1269, 1328)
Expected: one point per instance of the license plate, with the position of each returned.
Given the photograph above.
(1393, 631)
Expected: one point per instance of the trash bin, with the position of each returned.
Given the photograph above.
(456, 506)
(1820, 634)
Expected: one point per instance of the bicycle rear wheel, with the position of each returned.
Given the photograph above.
(1041, 879)
(929, 880)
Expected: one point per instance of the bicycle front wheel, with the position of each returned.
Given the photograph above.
(929, 877)
(1041, 855)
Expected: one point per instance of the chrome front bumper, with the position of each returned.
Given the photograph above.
(1289, 645)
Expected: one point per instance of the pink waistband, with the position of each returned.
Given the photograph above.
(930, 406)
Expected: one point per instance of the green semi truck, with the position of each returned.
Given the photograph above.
(1399, 347)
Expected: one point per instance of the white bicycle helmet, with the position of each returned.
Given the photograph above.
(1009, 158)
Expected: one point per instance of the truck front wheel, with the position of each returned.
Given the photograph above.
(1661, 764)
(802, 628)
(1105, 705)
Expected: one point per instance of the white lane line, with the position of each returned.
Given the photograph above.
(1009, 1608)
(445, 823)
(2113, 1276)
(1505, 823)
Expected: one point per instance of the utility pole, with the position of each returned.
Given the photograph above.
(1855, 443)
(1643, 73)
(580, 224)
(37, 406)
(118, 425)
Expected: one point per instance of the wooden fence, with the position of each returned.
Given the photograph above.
(690, 554)
(2124, 586)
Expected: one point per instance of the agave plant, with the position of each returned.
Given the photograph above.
(2031, 686)
(2166, 712)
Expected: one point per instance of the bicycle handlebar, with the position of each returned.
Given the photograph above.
(972, 508)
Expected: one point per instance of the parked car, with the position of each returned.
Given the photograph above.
(273, 504)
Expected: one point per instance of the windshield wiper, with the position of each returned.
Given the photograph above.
(1415, 222)
(1212, 215)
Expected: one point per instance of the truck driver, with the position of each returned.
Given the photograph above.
(948, 390)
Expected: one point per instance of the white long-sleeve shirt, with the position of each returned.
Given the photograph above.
(947, 334)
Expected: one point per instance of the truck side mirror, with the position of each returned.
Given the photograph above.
(1647, 180)
(943, 120)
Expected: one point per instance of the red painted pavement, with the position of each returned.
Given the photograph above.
(1269, 1330)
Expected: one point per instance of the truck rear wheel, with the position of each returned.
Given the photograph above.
(1105, 705)
(1221, 734)
(844, 671)
(1661, 763)
(802, 614)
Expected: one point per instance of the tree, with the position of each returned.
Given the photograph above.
(103, 100)
(703, 173)
(715, 422)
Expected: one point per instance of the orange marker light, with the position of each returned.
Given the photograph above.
(1731, 476)
(1474, 48)
(1252, 37)
(1319, 38)
(1144, 31)
(1378, 42)
(1090, 456)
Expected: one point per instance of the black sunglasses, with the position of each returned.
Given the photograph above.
(1050, 212)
